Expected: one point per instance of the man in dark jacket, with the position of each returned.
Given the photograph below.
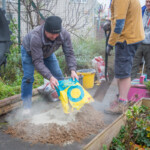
(37, 51)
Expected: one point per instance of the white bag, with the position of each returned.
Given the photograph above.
(47, 91)
(99, 65)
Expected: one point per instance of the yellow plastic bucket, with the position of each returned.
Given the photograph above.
(88, 77)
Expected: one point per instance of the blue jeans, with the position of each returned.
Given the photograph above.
(28, 68)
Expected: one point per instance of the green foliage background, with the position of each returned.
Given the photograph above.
(147, 85)
(11, 76)
(135, 131)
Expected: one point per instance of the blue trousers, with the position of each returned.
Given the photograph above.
(28, 68)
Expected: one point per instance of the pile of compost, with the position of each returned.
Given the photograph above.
(55, 127)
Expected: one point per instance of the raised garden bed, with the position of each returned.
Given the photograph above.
(105, 138)
(97, 143)
(13, 102)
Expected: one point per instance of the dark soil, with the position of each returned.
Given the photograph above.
(88, 122)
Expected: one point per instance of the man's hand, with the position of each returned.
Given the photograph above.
(54, 82)
(74, 75)
(108, 49)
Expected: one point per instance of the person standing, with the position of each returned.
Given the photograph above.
(126, 34)
(144, 49)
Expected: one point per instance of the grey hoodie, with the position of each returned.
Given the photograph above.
(146, 23)
(39, 47)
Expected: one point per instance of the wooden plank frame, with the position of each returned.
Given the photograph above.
(106, 136)
(13, 102)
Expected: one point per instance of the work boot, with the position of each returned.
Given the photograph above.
(115, 101)
(26, 113)
(117, 108)
(131, 103)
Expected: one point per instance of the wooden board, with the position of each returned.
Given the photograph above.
(12, 106)
(14, 99)
(106, 136)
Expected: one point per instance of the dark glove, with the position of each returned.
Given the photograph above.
(107, 26)
(108, 49)
(121, 45)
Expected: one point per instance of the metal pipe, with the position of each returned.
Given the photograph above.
(4, 4)
(19, 40)
(35, 7)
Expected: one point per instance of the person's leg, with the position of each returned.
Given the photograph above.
(124, 71)
(146, 52)
(52, 64)
(27, 80)
(136, 62)
(124, 86)
(123, 64)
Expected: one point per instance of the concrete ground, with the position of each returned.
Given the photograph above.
(104, 95)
